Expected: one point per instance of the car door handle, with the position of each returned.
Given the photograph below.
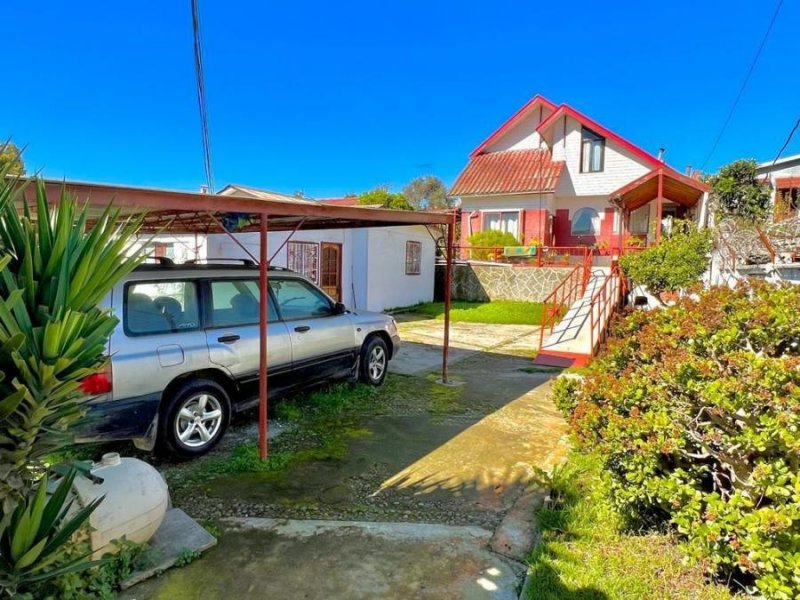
(302, 328)
(228, 339)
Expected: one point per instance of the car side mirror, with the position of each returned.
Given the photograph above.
(339, 309)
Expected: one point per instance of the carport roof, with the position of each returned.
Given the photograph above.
(187, 212)
(681, 189)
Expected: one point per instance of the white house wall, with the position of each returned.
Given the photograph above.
(221, 246)
(373, 262)
(523, 135)
(388, 286)
(619, 165)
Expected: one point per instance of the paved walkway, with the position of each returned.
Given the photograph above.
(434, 503)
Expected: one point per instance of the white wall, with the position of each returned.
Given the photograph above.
(523, 134)
(507, 201)
(620, 166)
(185, 247)
(388, 286)
(221, 246)
(373, 262)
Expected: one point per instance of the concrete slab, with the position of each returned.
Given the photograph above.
(177, 534)
(415, 358)
(271, 558)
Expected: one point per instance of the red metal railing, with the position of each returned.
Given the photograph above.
(543, 256)
(561, 298)
(604, 302)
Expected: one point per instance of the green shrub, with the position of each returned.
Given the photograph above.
(696, 411)
(676, 264)
(484, 240)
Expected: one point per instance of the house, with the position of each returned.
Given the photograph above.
(552, 176)
(783, 176)
(370, 268)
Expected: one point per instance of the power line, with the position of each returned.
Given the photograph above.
(201, 96)
(786, 143)
(744, 83)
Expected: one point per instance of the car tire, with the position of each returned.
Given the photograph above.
(374, 361)
(195, 419)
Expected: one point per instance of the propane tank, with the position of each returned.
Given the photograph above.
(136, 500)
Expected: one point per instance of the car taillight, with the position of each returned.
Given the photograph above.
(97, 383)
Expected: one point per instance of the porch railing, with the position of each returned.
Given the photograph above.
(526, 256)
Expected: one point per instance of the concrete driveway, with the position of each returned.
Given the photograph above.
(433, 498)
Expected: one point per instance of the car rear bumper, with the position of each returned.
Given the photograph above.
(121, 419)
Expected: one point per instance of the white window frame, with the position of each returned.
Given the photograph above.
(500, 211)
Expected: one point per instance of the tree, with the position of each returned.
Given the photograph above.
(675, 264)
(11, 159)
(738, 192)
(381, 196)
(427, 191)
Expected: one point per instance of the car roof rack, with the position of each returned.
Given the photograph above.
(161, 260)
(196, 261)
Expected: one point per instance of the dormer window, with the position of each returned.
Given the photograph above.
(593, 148)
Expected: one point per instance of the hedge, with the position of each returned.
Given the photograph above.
(696, 410)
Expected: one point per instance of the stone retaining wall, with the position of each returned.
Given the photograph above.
(483, 283)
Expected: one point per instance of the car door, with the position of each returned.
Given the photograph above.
(232, 335)
(322, 338)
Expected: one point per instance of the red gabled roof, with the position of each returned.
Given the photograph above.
(510, 171)
(511, 122)
(597, 128)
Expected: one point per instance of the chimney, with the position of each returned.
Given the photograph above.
(661, 154)
(203, 189)
(689, 170)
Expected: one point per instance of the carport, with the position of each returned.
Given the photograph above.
(176, 212)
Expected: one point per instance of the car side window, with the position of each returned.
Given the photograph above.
(298, 299)
(236, 302)
(160, 307)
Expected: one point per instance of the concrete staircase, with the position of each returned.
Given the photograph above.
(575, 338)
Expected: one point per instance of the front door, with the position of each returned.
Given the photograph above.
(330, 275)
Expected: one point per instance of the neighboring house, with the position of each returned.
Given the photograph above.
(372, 269)
(553, 176)
(178, 248)
(783, 176)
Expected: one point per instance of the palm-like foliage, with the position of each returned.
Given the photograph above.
(34, 537)
(57, 267)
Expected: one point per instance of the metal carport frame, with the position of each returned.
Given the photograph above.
(170, 211)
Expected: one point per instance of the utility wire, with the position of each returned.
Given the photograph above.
(201, 96)
(786, 143)
(746, 80)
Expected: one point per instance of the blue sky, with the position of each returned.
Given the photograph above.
(339, 97)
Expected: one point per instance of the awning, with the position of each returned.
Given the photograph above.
(677, 188)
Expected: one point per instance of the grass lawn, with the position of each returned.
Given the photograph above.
(584, 555)
(501, 312)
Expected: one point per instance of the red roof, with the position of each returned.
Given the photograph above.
(508, 172)
(785, 183)
(345, 201)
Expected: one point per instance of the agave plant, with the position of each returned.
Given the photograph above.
(58, 264)
(35, 536)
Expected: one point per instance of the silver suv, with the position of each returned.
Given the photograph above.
(186, 352)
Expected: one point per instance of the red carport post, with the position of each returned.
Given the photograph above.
(448, 284)
(263, 285)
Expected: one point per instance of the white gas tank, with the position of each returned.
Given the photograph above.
(136, 500)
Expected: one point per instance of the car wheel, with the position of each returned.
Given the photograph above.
(374, 361)
(196, 418)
